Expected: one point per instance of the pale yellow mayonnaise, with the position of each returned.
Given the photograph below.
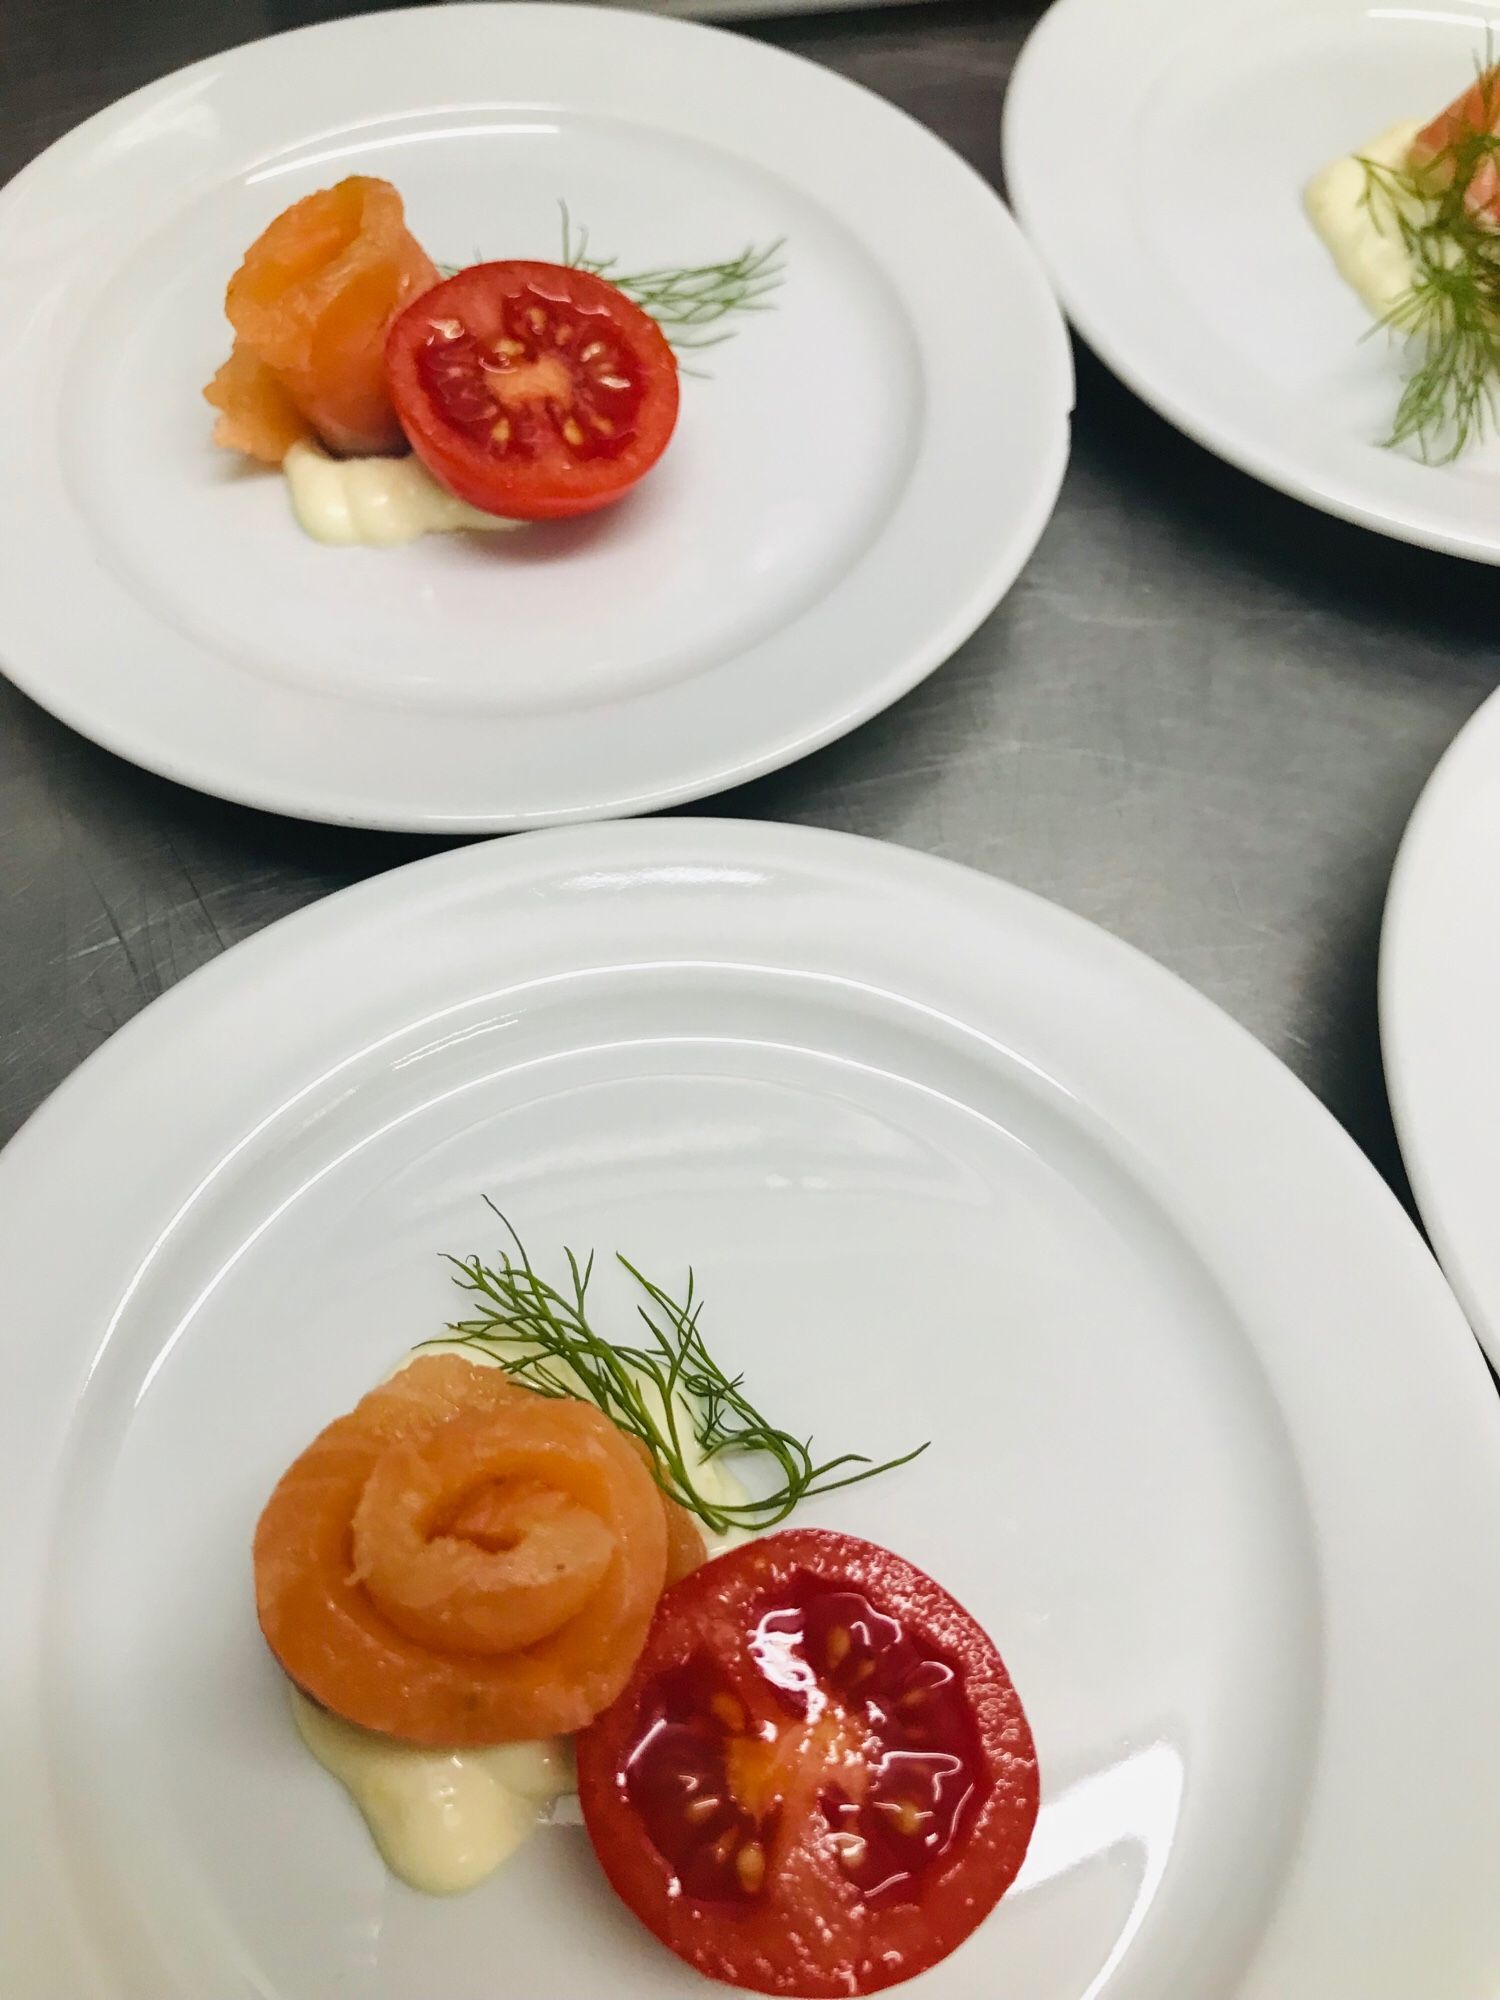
(445, 1819)
(1362, 236)
(375, 502)
(442, 1819)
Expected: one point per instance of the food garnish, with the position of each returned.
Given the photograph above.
(688, 301)
(819, 1779)
(542, 1337)
(1444, 205)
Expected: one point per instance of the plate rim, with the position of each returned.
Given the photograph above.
(798, 732)
(1423, 1111)
(1411, 1315)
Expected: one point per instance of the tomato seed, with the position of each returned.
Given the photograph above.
(839, 1643)
(728, 1711)
(750, 1865)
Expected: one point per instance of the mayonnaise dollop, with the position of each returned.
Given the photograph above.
(444, 1819)
(375, 502)
(1362, 237)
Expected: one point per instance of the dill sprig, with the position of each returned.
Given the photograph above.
(542, 1336)
(1449, 317)
(687, 301)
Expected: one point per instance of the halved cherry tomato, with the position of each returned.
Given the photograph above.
(819, 1778)
(532, 390)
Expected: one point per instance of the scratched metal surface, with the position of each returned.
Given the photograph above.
(1200, 719)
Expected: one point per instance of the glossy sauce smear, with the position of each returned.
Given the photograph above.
(442, 1819)
(375, 502)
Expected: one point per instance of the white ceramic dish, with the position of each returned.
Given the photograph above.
(1439, 1006)
(1213, 1456)
(1169, 215)
(847, 496)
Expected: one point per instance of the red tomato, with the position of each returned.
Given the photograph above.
(819, 1778)
(531, 390)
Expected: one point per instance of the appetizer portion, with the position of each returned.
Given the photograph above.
(802, 1765)
(528, 391)
(820, 1779)
(1413, 224)
(459, 1573)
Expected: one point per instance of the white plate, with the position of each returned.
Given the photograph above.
(1440, 1014)
(1156, 153)
(1214, 1457)
(848, 495)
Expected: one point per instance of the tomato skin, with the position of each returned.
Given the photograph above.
(532, 390)
(761, 1635)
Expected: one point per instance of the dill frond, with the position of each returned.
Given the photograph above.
(541, 1334)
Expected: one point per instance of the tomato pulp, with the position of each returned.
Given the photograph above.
(532, 390)
(819, 1778)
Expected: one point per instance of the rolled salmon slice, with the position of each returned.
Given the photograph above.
(484, 1519)
(461, 1561)
(1474, 116)
(310, 306)
(257, 416)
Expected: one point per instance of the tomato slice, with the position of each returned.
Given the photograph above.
(819, 1778)
(532, 390)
